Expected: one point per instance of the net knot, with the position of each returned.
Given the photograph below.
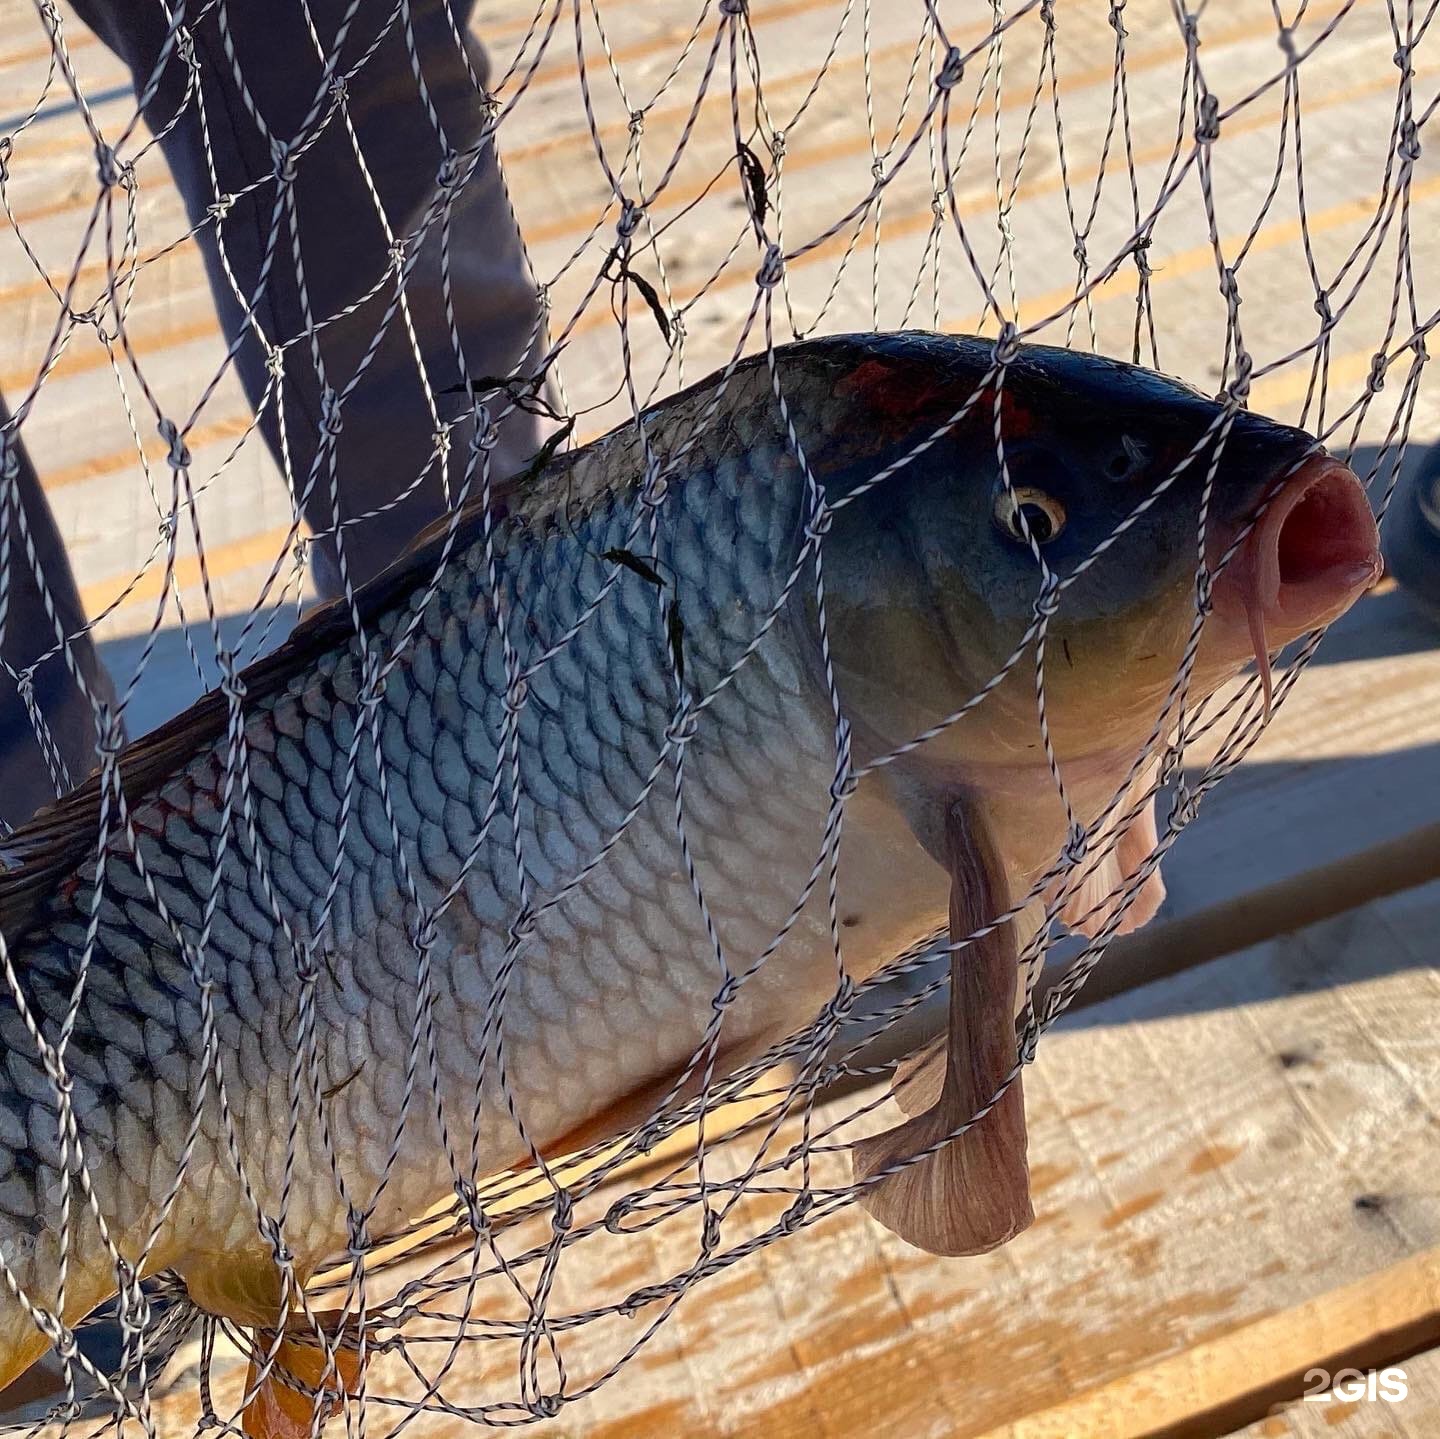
(425, 932)
(843, 785)
(469, 1196)
(109, 734)
(220, 207)
(1081, 254)
(1379, 363)
(1183, 807)
(839, 1004)
(339, 89)
(637, 123)
(725, 996)
(937, 206)
(1048, 600)
(1140, 250)
(772, 267)
(515, 694)
(1006, 349)
(111, 170)
(820, 523)
(1077, 845)
(447, 175)
(275, 362)
(9, 458)
(271, 1233)
(307, 971)
(546, 1406)
(877, 169)
(710, 1231)
(1207, 128)
(657, 484)
(733, 7)
(952, 71)
(1409, 146)
(232, 686)
(1230, 286)
(524, 926)
(282, 156)
(1238, 391)
(7, 147)
(794, 1217)
(178, 454)
(332, 419)
(1402, 58)
(629, 221)
(372, 686)
(1117, 18)
(684, 727)
(563, 1219)
(1204, 585)
(358, 1243)
(777, 145)
(1286, 40)
(1047, 13)
(1028, 1040)
(1322, 308)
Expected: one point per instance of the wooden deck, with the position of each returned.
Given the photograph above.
(1236, 1149)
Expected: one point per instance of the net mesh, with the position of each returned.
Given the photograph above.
(1230, 193)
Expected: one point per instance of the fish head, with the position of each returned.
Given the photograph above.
(1106, 487)
(1027, 570)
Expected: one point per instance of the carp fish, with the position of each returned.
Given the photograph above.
(448, 823)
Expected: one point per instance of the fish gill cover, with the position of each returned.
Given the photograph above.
(773, 595)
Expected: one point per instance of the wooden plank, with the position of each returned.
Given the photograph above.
(1205, 1389)
(1417, 1416)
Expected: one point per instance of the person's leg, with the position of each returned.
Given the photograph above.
(32, 773)
(265, 94)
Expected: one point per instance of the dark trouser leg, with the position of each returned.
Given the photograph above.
(31, 773)
(386, 429)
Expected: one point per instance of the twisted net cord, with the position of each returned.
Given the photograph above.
(494, 1238)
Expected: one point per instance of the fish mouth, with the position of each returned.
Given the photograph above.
(1312, 552)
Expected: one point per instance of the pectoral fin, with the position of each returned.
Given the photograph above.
(284, 1410)
(973, 1193)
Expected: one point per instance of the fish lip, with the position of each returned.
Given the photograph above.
(1254, 576)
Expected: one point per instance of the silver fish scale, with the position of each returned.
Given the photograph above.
(614, 989)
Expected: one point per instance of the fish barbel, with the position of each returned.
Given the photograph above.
(436, 861)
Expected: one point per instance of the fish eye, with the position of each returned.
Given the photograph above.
(1043, 514)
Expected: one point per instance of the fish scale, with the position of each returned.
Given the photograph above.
(614, 987)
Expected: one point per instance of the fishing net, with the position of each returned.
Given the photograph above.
(1230, 194)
